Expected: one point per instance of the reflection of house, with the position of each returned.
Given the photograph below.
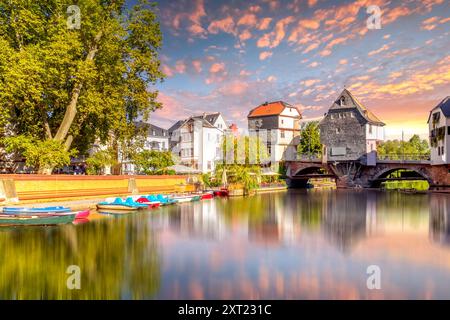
(197, 140)
(198, 220)
(439, 129)
(281, 120)
(345, 220)
(349, 131)
(440, 219)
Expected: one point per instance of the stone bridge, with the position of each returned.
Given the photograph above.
(354, 173)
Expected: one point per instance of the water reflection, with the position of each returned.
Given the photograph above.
(293, 245)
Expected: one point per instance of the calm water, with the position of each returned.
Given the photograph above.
(293, 245)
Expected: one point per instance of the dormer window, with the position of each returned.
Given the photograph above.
(342, 101)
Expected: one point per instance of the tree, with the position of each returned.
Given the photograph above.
(397, 149)
(72, 86)
(99, 160)
(310, 139)
(46, 154)
(153, 162)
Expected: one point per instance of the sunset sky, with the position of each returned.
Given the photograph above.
(230, 56)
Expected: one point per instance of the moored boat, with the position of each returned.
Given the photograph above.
(150, 204)
(37, 220)
(206, 195)
(119, 204)
(34, 210)
(221, 193)
(82, 214)
(186, 198)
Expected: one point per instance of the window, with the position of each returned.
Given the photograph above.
(352, 115)
(164, 133)
(442, 150)
(209, 165)
(338, 130)
(331, 116)
(163, 144)
(154, 132)
(448, 130)
(370, 128)
(282, 134)
(282, 121)
(342, 101)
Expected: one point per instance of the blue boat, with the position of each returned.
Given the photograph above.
(24, 210)
(118, 204)
(165, 200)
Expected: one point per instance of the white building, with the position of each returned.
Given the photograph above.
(198, 140)
(439, 128)
(282, 122)
(156, 139)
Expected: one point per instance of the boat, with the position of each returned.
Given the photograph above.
(33, 210)
(221, 193)
(150, 204)
(206, 195)
(186, 198)
(37, 220)
(119, 204)
(82, 214)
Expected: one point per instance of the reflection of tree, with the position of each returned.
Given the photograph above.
(345, 218)
(118, 259)
(440, 219)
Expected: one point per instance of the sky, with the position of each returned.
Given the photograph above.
(230, 56)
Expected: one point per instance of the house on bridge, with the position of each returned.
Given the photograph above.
(350, 132)
(281, 121)
(439, 129)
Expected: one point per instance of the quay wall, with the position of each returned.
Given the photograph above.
(16, 187)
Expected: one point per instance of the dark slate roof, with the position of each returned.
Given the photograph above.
(208, 120)
(444, 105)
(159, 132)
(365, 113)
(176, 125)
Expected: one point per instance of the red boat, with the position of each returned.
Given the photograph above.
(82, 214)
(151, 205)
(221, 193)
(207, 195)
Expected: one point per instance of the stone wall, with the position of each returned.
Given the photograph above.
(351, 134)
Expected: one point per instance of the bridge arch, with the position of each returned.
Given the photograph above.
(316, 169)
(416, 174)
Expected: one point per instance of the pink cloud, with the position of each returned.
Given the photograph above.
(225, 25)
(248, 19)
(245, 35)
(197, 64)
(311, 47)
(264, 55)
(217, 67)
(274, 38)
(180, 66)
(343, 61)
(264, 23)
(314, 64)
(374, 52)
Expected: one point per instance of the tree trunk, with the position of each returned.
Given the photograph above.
(71, 110)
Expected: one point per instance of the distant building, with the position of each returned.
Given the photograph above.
(281, 120)
(439, 128)
(197, 140)
(349, 131)
(156, 138)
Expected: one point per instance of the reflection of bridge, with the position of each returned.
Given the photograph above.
(357, 173)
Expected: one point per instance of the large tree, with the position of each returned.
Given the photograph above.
(75, 85)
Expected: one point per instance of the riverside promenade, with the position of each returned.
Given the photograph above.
(52, 188)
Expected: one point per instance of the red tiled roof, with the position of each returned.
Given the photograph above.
(269, 109)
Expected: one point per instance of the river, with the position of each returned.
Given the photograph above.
(290, 245)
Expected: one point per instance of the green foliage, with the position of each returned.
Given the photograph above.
(418, 185)
(245, 175)
(99, 160)
(153, 162)
(396, 148)
(310, 139)
(89, 83)
(44, 154)
(244, 150)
